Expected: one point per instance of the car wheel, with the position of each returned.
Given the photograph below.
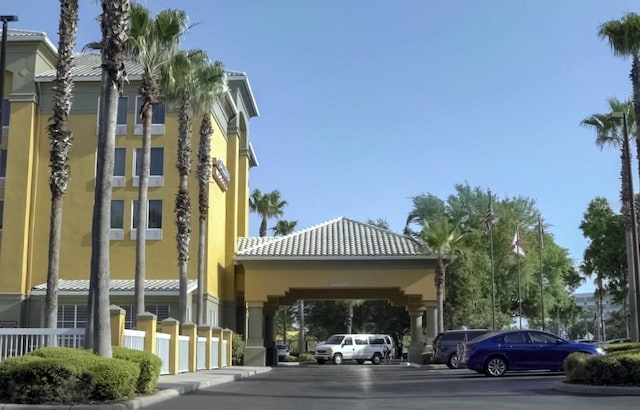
(337, 358)
(360, 361)
(495, 366)
(320, 361)
(452, 363)
(376, 359)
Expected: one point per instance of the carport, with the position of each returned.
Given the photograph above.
(338, 259)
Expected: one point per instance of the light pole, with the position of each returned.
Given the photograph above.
(634, 270)
(3, 64)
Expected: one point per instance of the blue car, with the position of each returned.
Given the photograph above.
(496, 352)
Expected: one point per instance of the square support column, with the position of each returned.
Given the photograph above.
(148, 323)
(254, 352)
(190, 330)
(117, 316)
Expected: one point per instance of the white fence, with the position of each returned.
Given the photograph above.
(201, 353)
(14, 342)
(215, 345)
(183, 354)
(162, 350)
(134, 339)
(224, 356)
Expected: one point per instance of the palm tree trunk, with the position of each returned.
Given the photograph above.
(183, 202)
(439, 282)
(625, 197)
(61, 140)
(301, 336)
(263, 226)
(149, 90)
(350, 316)
(204, 174)
(633, 273)
(114, 23)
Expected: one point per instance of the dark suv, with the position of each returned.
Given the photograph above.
(445, 345)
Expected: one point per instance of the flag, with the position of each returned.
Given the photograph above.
(516, 245)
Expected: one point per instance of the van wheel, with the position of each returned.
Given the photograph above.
(337, 358)
(320, 361)
(452, 363)
(360, 361)
(376, 359)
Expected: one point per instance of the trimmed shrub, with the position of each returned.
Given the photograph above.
(48, 381)
(6, 379)
(621, 347)
(306, 358)
(67, 353)
(574, 367)
(113, 379)
(237, 349)
(149, 364)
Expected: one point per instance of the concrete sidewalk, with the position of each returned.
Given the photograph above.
(169, 386)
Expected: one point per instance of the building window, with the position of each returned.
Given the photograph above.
(153, 222)
(157, 118)
(3, 166)
(156, 167)
(72, 316)
(120, 156)
(6, 115)
(121, 122)
(117, 219)
(161, 312)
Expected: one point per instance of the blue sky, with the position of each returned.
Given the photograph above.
(365, 104)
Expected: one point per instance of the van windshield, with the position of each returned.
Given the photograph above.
(335, 340)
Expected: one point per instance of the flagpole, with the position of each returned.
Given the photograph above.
(493, 279)
(519, 286)
(541, 281)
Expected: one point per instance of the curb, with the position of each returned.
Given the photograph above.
(597, 390)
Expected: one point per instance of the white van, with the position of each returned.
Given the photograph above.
(354, 347)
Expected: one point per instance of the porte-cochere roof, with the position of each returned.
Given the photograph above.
(337, 238)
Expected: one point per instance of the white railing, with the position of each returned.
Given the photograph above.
(215, 345)
(162, 350)
(134, 339)
(201, 354)
(183, 354)
(224, 353)
(20, 341)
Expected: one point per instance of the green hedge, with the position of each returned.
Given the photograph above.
(113, 379)
(150, 366)
(621, 368)
(237, 349)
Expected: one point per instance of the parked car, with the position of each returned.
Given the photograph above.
(356, 347)
(283, 351)
(618, 340)
(497, 352)
(445, 345)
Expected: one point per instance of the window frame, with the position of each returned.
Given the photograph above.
(116, 233)
(157, 128)
(155, 180)
(152, 233)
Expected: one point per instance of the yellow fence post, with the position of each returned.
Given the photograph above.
(190, 330)
(117, 325)
(172, 327)
(148, 323)
(205, 331)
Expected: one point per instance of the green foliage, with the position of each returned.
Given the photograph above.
(113, 379)
(37, 380)
(306, 358)
(574, 367)
(237, 349)
(149, 364)
(621, 347)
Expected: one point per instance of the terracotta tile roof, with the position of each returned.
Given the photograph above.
(123, 286)
(337, 238)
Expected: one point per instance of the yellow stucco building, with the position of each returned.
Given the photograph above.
(246, 278)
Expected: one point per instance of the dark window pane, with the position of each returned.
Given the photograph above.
(6, 112)
(123, 103)
(157, 161)
(3, 163)
(117, 214)
(155, 214)
(1, 213)
(157, 113)
(119, 162)
(133, 215)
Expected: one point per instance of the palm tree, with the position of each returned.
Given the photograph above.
(114, 24)
(152, 43)
(443, 239)
(268, 206)
(191, 83)
(204, 175)
(283, 227)
(609, 131)
(61, 140)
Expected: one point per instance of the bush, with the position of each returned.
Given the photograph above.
(621, 347)
(574, 367)
(6, 379)
(306, 358)
(47, 381)
(149, 364)
(237, 349)
(67, 353)
(113, 379)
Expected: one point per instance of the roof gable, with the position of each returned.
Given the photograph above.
(336, 238)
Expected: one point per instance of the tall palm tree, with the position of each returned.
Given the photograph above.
(114, 26)
(443, 238)
(204, 175)
(624, 38)
(283, 228)
(61, 140)
(153, 42)
(191, 83)
(609, 131)
(269, 205)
